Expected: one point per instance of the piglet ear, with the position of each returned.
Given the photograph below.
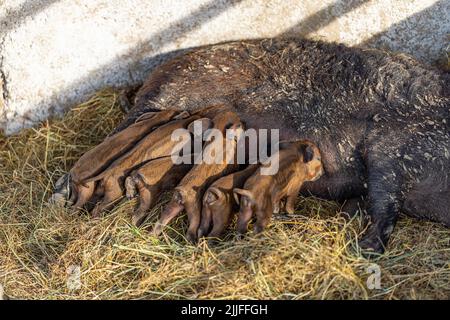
(307, 151)
(199, 126)
(178, 195)
(237, 193)
(234, 131)
(182, 115)
(236, 198)
(213, 194)
(145, 116)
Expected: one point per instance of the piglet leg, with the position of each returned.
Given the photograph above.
(291, 199)
(263, 217)
(219, 226)
(205, 224)
(245, 215)
(84, 194)
(169, 213)
(194, 214)
(147, 199)
(113, 192)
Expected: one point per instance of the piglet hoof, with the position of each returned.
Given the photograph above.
(242, 228)
(138, 218)
(97, 212)
(240, 236)
(157, 229)
(58, 200)
(191, 237)
(371, 247)
(214, 242)
(62, 191)
(202, 233)
(258, 230)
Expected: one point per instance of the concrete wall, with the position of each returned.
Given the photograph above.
(53, 53)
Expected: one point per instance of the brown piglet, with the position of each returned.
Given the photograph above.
(189, 193)
(158, 143)
(299, 161)
(150, 181)
(219, 203)
(100, 157)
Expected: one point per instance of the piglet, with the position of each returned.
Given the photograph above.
(219, 203)
(150, 180)
(100, 157)
(299, 161)
(189, 193)
(158, 143)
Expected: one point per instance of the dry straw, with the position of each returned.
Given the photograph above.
(52, 253)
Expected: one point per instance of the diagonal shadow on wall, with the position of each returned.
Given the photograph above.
(407, 35)
(14, 18)
(97, 77)
(192, 22)
(324, 17)
(176, 30)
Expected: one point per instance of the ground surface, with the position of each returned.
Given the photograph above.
(51, 253)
